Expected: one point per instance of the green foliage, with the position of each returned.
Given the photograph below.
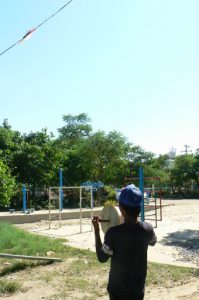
(76, 128)
(34, 159)
(17, 241)
(38, 159)
(9, 142)
(110, 202)
(103, 156)
(7, 185)
(185, 172)
(109, 192)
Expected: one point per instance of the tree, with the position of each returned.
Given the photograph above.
(76, 128)
(7, 185)
(196, 169)
(137, 157)
(184, 171)
(159, 167)
(71, 136)
(103, 156)
(5, 124)
(10, 141)
(38, 160)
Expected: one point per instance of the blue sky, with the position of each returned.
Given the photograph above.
(132, 66)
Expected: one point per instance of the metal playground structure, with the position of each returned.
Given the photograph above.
(151, 208)
(81, 196)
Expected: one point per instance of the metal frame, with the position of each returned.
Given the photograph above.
(157, 207)
(60, 198)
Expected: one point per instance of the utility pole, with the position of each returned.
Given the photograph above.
(186, 151)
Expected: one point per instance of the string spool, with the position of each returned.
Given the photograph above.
(112, 216)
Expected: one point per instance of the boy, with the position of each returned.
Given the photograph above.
(126, 245)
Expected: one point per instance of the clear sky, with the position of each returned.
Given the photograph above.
(131, 65)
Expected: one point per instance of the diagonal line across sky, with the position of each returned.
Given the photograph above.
(28, 34)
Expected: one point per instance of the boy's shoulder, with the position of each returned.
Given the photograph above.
(147, 226)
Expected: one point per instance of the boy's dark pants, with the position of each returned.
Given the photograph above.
(116, 296)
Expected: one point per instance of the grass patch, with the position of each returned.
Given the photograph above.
(80, 272)
(17, 241)
(169, 275)
(8, 288)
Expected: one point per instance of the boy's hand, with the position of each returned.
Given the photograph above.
(95, 222)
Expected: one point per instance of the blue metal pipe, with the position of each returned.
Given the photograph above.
(141, 186)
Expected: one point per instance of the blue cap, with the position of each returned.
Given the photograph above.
(130, 196)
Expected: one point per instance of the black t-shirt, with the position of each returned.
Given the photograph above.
(127, 246)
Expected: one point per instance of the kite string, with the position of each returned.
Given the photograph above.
(53, 14)
(10, 47)
(30, 31)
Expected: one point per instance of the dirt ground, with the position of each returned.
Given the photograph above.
(178, 244)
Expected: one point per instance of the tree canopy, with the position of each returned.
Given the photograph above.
(34, 159)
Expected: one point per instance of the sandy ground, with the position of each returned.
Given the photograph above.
(176, 233)
(178, 244)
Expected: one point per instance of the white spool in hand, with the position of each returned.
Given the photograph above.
(111, 216)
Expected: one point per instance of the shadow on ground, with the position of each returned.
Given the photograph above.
(186, 243)
(185, 239)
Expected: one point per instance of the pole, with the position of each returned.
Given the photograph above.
(141, 183)
(5, 255)
(160, 197)
(49, 207)
(60, 185)
(92, 205)
(24, 197)
(80, 207)
(60, 192)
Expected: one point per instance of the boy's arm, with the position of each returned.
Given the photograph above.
(151, 236)
(102, 257)
(98, 242)
(153, 239)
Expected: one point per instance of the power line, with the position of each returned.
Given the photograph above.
(29, 33)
